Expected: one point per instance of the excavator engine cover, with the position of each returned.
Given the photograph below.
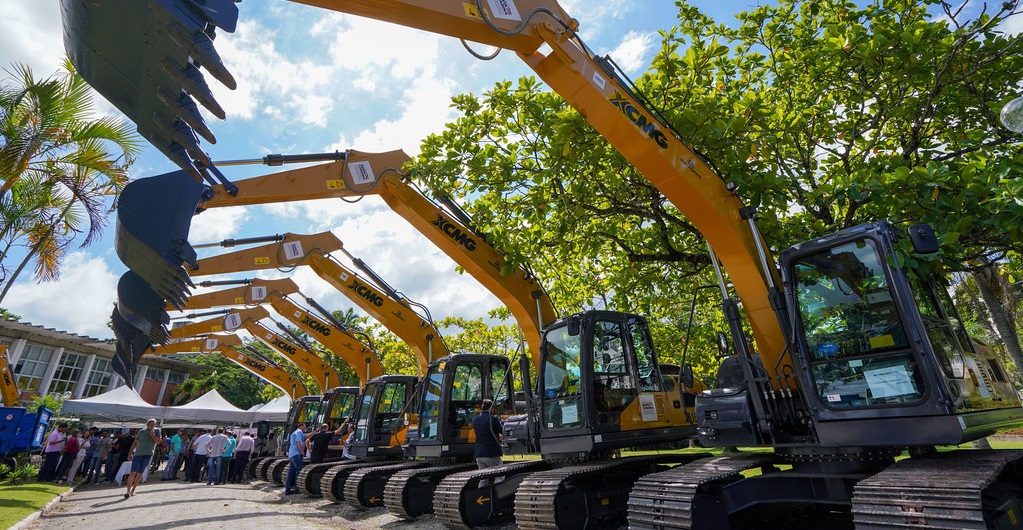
(142, 307)
(153, 217)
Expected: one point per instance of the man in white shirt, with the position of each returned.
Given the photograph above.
(214, 450)
(198, 460)
(241, 457)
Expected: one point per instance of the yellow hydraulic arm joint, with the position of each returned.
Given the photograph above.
(313, 250)
(365, 174)
(225, 345)
(351, 350)
(248, 319)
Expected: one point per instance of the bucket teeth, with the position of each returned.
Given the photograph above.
(144, 56)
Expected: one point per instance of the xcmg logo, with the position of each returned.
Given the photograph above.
(283, 346)
(630, 111)
(255, 364)
(316, 326)
(454, 232)
(366, 292)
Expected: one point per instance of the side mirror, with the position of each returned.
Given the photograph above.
(723, 344)
(687, 376)
(574, 326)
(923, 239)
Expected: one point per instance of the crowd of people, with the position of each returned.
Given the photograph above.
(96, 455)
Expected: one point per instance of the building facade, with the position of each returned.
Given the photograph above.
(49, 361)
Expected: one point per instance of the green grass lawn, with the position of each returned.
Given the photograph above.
(17, 502)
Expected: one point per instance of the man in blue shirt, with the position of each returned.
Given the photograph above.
(488, 436)
(296, 451)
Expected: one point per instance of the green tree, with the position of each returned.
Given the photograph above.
(825, 114)
(57, 168)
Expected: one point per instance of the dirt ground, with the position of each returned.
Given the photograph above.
(176, 504)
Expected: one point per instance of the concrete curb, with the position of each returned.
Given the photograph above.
(31, 518)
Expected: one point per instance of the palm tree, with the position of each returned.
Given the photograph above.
(56, 167)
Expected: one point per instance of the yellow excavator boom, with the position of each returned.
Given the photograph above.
(8, 386)
(314, 250)
(226, 346)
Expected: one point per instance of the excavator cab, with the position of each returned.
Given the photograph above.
(600, 386)
(337, 404)
(453, 390)
(381, 416)
(882, 345)
(303, 410)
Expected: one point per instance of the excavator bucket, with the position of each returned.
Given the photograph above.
(131, 345)
(153, 217)
(145, 57)
(142, 307)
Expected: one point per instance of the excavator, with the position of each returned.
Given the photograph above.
(335, 403)
(384, 398)
(248, 319)
(10, 396)
(854, 357)
(253, 361)
(373, 295)
(377, 436)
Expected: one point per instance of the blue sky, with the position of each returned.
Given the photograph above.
(311, 80)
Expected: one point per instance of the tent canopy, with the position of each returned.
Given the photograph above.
(274, 411)
(211, 407)
(120, 405)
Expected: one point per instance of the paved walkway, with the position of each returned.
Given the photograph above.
(176, 504)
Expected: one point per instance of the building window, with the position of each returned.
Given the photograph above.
(175, 378)
(156, 375)
(99, 378)
(32, 367)
(69, 371)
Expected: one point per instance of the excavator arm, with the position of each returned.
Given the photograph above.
(8, 387)
(351, 350)
(248, 319)
(363, 174)
(528, 27)
(226, 345)
(313, 250)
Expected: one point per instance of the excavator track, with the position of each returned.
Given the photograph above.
(278, 471)
(664, 500)
(309, 477)
(590, 495)
(410, 493)
(475, 498)
(263, 469)
(939, 491)
(365, 487)
(250, 468)
(332, 485)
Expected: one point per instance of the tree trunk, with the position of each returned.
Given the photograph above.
(987, 284)
(21, 266)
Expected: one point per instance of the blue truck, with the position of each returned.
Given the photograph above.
(21, 431)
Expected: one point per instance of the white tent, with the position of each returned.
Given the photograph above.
(209, 408)
(275, 411)
(120, 405)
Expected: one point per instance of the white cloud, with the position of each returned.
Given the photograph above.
(80, 302)
(217, 224)
(631, 52)
(32, 36)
